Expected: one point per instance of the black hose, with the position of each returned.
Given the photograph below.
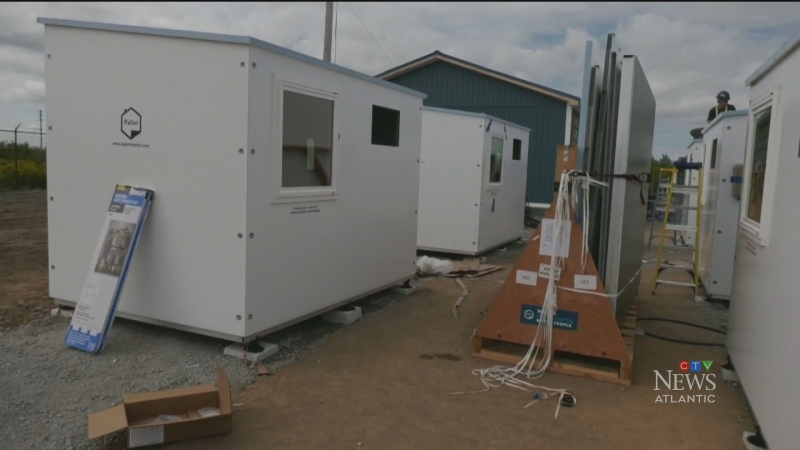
(683, 323)
(678, 341)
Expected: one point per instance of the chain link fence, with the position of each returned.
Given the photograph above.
(23, 159)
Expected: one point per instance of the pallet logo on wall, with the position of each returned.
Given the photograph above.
(131, 123)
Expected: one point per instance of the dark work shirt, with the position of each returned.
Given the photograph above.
(712, 113)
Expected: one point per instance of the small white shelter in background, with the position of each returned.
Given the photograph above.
(723, 155)
(763, 333)
(473, 174)
(690, 178)
(285, 186)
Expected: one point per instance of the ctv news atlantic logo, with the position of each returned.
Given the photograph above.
(692, 376)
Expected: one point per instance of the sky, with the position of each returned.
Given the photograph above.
(689, 51)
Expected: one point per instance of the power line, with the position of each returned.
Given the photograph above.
(22, 132)
(15, 115)
(370, 33)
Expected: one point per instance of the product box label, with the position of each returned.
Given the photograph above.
(102, 288)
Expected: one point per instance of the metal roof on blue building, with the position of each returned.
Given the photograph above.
(452, 83)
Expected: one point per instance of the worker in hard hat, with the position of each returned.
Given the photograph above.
(722, 105)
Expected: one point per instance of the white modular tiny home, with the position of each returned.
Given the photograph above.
(473, 173)
(723, 146)
(689, 178)
(285, 186)
(763, 336)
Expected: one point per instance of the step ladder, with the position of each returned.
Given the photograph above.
(659, 209)
(676, 200)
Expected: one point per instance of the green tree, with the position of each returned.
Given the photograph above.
(655, 165)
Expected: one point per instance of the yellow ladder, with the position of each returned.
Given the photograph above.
(660, 205)
(686, 192)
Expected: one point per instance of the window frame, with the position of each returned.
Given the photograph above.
(714, 146)
(708, 160)
(513, 142)
(396, 141)
(282, 83)
(759, 232)
(495, 185)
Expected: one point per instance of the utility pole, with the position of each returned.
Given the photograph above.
(15, 156)
(326, 54)
(41, 131)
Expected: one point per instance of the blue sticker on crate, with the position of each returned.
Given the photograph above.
(563, 319)
(736, 179)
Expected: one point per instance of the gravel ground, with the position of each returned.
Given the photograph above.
(47, 390)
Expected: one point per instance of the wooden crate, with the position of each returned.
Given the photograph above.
(598, 347)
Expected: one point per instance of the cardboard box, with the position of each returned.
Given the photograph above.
(152, 418)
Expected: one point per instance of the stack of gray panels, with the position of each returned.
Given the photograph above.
(615, 137)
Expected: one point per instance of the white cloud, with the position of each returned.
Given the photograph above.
(17, 88)
(689, 51)
(687, 63)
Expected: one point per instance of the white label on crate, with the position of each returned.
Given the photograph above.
(142, 436)
(526, 277)
(310, 154)
(587, 282)
(544, 271)
(548, 245)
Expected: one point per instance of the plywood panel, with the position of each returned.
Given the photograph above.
(566, 159)
(589, 330)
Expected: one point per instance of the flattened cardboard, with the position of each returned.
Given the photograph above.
(225, 403)
(148, 396)
(107, 422)
(138, 414)
(473, 264)
(468, 268)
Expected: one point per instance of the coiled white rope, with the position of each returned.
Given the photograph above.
(543, 340)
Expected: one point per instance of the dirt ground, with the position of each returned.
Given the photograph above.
(385, 381)
(23, 257)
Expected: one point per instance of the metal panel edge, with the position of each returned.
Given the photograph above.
(718, 118)
(583, 121)
(472, 114)
(779, 55)
(636, 103)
